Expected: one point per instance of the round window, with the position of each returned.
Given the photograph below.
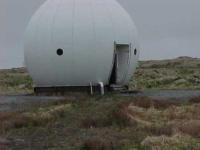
(135, 51)
(59, 52)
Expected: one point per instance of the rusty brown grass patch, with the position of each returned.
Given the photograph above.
(98, 144)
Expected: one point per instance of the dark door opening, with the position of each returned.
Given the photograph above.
(113, 77)
(121, 64)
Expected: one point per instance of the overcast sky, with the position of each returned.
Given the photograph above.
(167, 28)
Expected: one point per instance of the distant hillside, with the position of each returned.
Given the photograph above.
(179, 73)
(16, 80)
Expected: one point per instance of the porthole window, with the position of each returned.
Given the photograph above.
(59, 52)
(135, 51)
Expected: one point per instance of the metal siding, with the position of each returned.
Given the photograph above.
(38, 53)
(62, 38)
(104, 41)
(83, 39)
(86, 31)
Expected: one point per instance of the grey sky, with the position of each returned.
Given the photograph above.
(167, 28)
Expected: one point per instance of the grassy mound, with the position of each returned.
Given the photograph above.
(180, 73)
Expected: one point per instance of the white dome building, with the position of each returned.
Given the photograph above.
(77, 43)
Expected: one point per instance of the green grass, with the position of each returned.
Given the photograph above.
(15, 81)
(180, 73)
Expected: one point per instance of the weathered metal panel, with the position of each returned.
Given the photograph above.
(85, 30)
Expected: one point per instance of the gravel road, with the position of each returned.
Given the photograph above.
(165, 94)
(24, 102)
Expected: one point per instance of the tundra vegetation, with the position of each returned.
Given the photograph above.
(82, 122)
(110, 122)
(180, 73)
(15, 81)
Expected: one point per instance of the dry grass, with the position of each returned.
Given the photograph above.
(43, 116)
(7, 120)
(160, 117)
(195, 99)
(149, 103)
(39, 118)
(189, 127)
(4, 116)
(95, 122)
(107, 123)
(3, 147)
(185, 112)
(98, 144)
(121, 118)
(160, 130)
(176, 142)
(14, 81)
(15, 120)
(139, 111)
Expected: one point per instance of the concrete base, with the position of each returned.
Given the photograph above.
(65, 89)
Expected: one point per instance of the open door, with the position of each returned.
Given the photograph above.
(121, 63)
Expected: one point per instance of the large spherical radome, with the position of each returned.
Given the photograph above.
(73, 42)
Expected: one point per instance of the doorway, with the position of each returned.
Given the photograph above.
(121, 63)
